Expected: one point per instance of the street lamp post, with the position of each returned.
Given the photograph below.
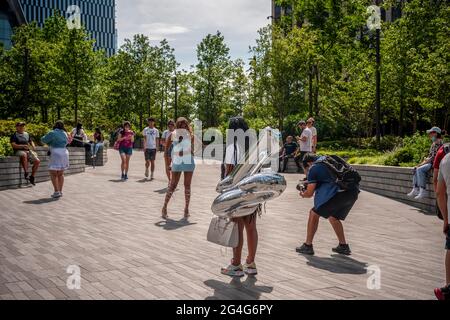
(374, 23)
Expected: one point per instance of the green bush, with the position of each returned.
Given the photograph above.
(412, 151)
(36, 131)
(5, 147)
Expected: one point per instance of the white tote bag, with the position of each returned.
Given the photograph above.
(223, 232)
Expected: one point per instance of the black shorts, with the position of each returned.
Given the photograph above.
(339, 206)
(150, 154)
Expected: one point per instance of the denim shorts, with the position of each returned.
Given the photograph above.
(127, 151)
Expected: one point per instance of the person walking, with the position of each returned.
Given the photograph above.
(151, 143)
(97, 143)
(24, 148)
(443, 197)
(57, 140)
(329, 202)
(182, 143)
(126, 141)
(167, 151)
(234, 155)
(421, 171)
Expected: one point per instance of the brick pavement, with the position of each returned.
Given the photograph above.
(114, 233)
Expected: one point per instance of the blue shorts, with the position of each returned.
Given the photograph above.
(127, 151)
(447, 243)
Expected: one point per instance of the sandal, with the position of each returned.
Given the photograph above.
(164, 215)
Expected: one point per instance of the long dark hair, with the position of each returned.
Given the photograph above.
(79, 127)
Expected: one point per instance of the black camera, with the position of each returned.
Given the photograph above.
(302, 186)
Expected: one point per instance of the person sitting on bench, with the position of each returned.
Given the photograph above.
(24, 148)
(289, 150)
(421, 171)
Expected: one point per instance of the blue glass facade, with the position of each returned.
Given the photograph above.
(97, 16)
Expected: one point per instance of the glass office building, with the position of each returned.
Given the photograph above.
(97, 16)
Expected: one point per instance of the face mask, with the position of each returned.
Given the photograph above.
(434, 139)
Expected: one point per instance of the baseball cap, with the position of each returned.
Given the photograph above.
(301, 123)
(20, 124)
(435, 129)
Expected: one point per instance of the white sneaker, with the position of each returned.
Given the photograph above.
(250, 269)
(422, 194)
(146, 172)
(151, 176)
(56, 195)
(233, 271)
(413, 193)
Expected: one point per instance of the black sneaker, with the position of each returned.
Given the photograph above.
(25, 175)
(32, 180)
(442, 293)
(343, 249)
(305, 249)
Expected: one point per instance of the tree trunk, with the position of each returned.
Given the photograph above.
(24, 101)
(415, 118)
(316, 93)
(310, 93)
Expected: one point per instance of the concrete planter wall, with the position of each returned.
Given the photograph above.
(101, 160)
(11, 173)
(395, 183)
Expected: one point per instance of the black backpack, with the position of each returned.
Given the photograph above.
(347, 178)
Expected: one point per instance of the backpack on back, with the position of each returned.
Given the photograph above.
(347, 178)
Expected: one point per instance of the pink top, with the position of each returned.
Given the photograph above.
(127, 143)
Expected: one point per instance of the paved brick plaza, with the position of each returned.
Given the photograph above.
(113, 231)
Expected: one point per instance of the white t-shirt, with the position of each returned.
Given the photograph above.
(230, 158)
(314, 131)
(306, 146)
(150, 134)
(165, 134)
(81, 135)
(444, 175)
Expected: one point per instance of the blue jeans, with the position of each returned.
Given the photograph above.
(421, 176)
(95, 147)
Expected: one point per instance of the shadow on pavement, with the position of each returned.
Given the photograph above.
(236, 289)
(161, 191)
(41, 201)
(170, 224)
(337, 264)
(116, 181)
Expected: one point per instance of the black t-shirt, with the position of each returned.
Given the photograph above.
(22, 139)
(290, 148)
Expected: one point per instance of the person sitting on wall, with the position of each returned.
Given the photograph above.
(289, 150)
(420, 172)
(24, 148)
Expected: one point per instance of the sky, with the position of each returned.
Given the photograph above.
(184, 23)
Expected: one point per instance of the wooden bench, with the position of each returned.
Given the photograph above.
(11, 172)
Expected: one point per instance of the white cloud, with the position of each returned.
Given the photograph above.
(186, 22)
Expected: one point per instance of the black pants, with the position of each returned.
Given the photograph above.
(286, 159)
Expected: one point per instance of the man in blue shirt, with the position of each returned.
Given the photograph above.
(329, 202)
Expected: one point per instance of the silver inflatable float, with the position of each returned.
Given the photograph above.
(246, 187)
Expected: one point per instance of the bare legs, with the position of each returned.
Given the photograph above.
(187, 192)
(57, 178)
(249, 224)
(125, 165)
(168, 161)
(25, 166)
(313, 224)
(173, 186)
(447, 267)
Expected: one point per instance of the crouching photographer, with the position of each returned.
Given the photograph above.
(335, 187)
